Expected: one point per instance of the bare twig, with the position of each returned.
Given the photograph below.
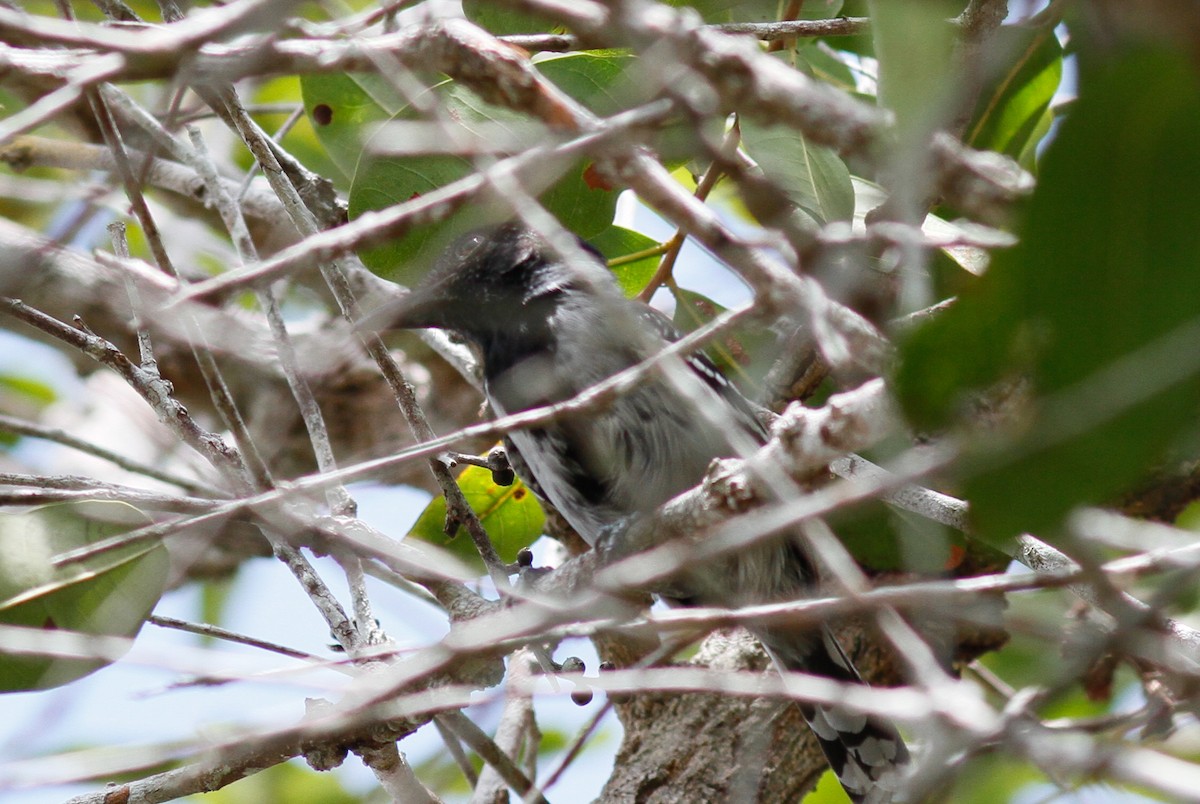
(466, 730)
(33, 430)
(154, 389)
(217, 632)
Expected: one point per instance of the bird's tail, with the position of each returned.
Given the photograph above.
(866, 753)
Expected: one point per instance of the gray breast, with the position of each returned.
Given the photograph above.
(599, 466)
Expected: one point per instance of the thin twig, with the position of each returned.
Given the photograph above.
(217, 632)
(466, 730)
(155, 390)
(34, 430)
(456, 752)
(62, 488)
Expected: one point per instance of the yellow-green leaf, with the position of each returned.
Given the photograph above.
(510, 514)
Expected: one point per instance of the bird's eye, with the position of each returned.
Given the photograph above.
(467, 245)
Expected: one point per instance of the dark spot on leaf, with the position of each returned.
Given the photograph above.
(737, 352)
(322, 114)
(705, 307)
(594, 179)
(957, 556)
(49, 625)
(519, 494)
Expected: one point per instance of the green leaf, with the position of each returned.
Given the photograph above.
(511, 515)
(617, 244)
(1086, 306)
(503, 21)
(35, 391)
(824, 64)
(828, 791)
(23, 396)
(1013, 101)
(301, 139)
(888, 539)
(287, 781)
(813, 177)
(344, 107)
(861, 44)
(109, 594)
(595, 78)
(991, 777)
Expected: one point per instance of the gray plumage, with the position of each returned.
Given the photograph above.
(548, 328)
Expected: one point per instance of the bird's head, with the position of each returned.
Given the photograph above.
(499, 281)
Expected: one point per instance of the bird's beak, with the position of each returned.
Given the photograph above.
(419, 308)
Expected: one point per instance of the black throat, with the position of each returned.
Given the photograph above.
(510, 339)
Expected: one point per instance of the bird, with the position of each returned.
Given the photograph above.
(548, 325)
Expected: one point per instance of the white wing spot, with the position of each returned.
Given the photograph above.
(844, 721)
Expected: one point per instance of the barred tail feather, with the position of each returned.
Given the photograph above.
(867, 754)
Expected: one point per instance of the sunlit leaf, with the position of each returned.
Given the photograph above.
(972, 259)
(617, 243)
(342, 108)
(288, 781)
(511, 515)
(824, 64)
(34, 390)
(1014, 99)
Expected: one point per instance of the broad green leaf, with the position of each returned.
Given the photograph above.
(1093, 307)
(511, 515)
(1014, 99)
(342, 108)
(617, 244)
(607, 81)
(109, 594)
(595, 78)
(888, 539)
(813, 177)
(301, 140)
(345, 109)
(502, 21)
(824, 64)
